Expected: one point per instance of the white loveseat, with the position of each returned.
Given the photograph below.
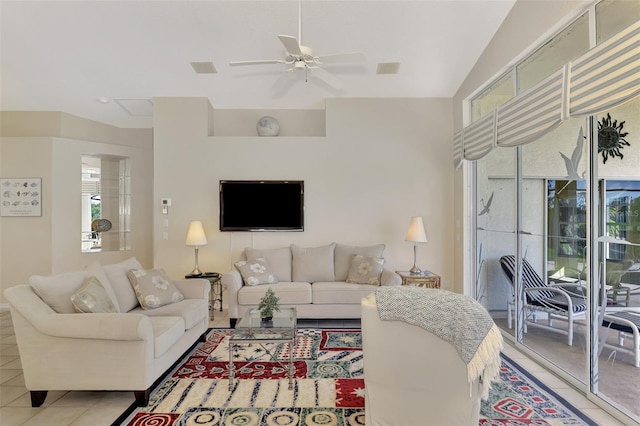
(124, 350)
(313, 280)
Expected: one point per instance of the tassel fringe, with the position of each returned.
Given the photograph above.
(485, 364)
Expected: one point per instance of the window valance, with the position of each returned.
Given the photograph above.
(603, 78)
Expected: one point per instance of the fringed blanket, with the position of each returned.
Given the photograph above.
(454, 317)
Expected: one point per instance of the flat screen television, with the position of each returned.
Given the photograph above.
(261, 205)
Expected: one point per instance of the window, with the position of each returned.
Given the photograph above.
(492, 97)
(106, 203)
(569, 44)
(623, 218)
(612, 16)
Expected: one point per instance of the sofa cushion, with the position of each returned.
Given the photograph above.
(339, 292)
(153, 288)
(344, 254)
(56, 290)
(255, 272)
(95, 269)
(166, 333)
(311, 264)
(92, 297)
(279, 259)
(365, 270)
(117, 274)
(293, 293)
(192, 311)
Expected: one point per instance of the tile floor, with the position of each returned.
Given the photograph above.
(102, 408)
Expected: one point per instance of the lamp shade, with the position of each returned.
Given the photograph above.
(195, 234)
(416, 233)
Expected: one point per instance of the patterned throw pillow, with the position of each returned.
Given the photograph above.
(92, 297)
(153, 288)
(255, 272)
(365, 270)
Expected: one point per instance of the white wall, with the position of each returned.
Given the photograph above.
(50, 145)
(381, 162)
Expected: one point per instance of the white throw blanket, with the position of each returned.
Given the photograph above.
(454, 317)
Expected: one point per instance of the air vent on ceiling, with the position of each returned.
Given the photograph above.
(204, 67)
(137, 107)
(388, 68)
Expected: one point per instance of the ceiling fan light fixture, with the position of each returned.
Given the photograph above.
(388, 68)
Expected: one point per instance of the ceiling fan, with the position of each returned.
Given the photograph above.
(302, 58)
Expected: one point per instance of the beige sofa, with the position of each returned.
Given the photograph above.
(128, 349)
(313, 280)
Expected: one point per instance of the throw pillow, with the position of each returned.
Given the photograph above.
(365, 270)
(56, 290)
(95, 269)
(255, 272)
(117, 274)
(92, 297)
(313, 264)
(344, 254)
(153, 288)
(279, 260)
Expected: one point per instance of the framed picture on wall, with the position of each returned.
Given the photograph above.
(21, 197)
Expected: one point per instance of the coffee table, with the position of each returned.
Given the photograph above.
(251, 329)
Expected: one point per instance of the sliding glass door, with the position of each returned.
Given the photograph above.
(570, 222)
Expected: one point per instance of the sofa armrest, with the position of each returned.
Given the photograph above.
(390, 278)
(194, 288)
(111, 326)
(232, 280)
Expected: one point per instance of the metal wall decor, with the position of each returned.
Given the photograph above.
(21, 197)
(611, 138)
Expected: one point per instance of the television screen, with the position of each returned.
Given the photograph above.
(266, 205)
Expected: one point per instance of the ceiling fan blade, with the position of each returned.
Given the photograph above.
(341, 57)
(291, 44)
(260, 62)
(326, 77)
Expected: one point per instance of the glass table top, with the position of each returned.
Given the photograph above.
(252, 327)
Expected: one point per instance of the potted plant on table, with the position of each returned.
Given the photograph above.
(268, 305)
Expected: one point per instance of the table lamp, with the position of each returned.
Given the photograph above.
(196, 238)
(416, 234)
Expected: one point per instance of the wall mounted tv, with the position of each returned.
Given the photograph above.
(261, 205)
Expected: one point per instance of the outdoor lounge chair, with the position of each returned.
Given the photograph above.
(617, 293)
(626, 323)
(554, 300)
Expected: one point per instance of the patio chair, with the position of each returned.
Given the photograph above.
(557, 301)
(617, 293)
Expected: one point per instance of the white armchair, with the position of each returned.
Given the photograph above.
(413, 377)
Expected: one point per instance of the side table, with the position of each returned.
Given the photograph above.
(215, 295)
(425, 279)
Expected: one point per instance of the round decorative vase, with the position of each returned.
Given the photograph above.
(268, 126)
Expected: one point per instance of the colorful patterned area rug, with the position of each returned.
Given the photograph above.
(328, 388)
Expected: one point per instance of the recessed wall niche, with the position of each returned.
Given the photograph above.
(292, 122)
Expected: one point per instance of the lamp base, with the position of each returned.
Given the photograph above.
(196, 272)
(415, 270)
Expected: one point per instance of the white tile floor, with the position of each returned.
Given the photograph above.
(102, 408)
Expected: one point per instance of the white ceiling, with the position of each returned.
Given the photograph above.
(65, 55)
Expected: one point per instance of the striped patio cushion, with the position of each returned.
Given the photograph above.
(530, 278)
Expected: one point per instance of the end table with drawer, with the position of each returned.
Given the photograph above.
(425, 279)
(215, 295)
